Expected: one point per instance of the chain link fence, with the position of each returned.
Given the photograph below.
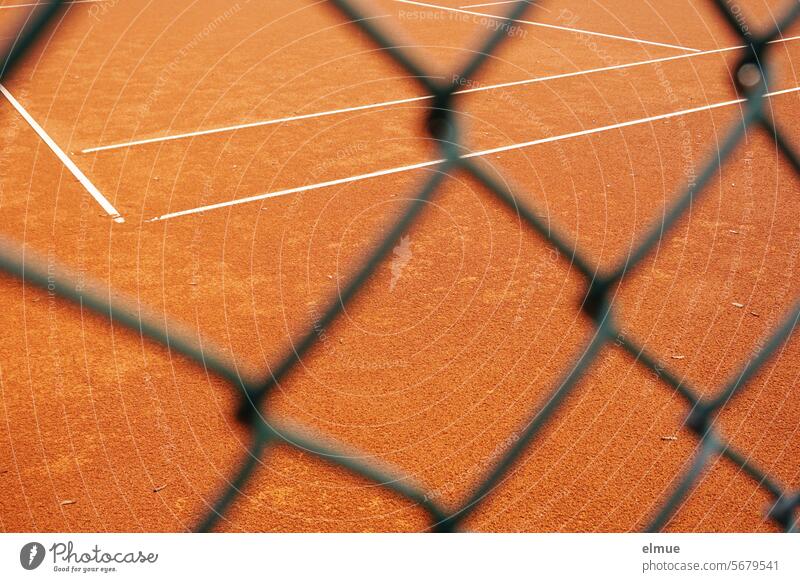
(752, 79)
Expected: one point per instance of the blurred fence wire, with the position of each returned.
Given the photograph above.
(752, 78)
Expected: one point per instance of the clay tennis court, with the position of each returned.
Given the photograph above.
(226, 167)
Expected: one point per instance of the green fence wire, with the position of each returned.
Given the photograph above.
(752, 80)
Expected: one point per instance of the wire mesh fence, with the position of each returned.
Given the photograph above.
(752, 79)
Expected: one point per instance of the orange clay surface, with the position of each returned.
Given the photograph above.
(452, 346)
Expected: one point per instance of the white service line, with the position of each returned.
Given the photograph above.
(28, 5)
(317, 114)
(227, 128)
(477, 154)
(70, 165)
(554, 26)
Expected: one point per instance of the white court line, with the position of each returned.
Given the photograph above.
(314, 115)
(227, 128)
(477, 154)
(554, 26)
(96, 194)
(503, 2)
(8, 6)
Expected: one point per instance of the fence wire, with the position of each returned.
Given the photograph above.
(752, 79)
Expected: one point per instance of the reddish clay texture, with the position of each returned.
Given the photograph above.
(453, 345)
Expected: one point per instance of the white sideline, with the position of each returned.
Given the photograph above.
(553, 26)
(496, 150)
(314, 115)
(70, 165)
